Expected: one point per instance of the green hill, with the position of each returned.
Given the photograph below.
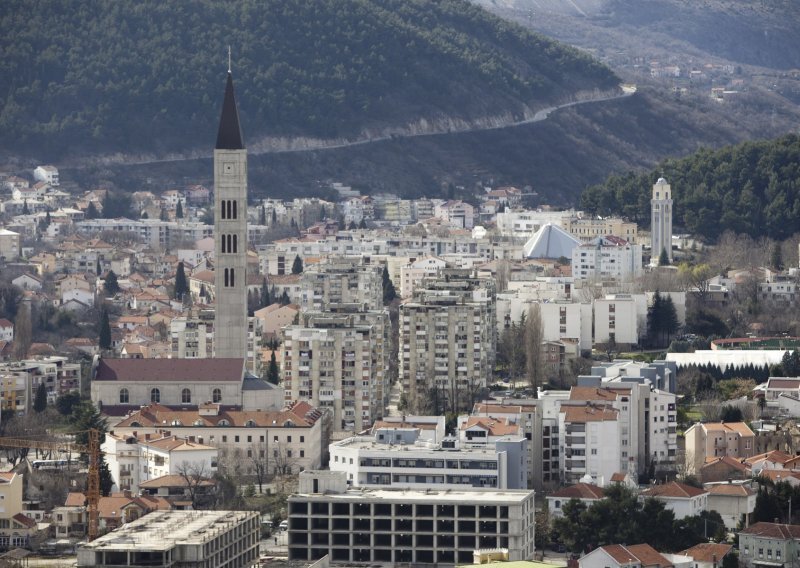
(751, 188)
(105, 76)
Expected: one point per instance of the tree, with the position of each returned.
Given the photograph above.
(284, 300)
(273, 374)
(179, 210)
(84, 418)
(389, 292)
(40, 402)
(23, 334)
(297, 265)
(91, 211)
(97, 268)
(105, 331)
(111, 285)
(258, 455)
(776, 257)
(25, 209)
(181, 285)
(534, 356)
(265, 299)
(196, 479)
(362, 224)
(262, 215)
(731, 413)
(663, 258)
(163, 216)
(66, 403)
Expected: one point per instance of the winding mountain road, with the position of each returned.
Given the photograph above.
(284, 145)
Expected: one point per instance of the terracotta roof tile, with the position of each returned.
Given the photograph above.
(707, 552)
(773, 530)
(673, 489)
(495, 426)
(156, 415)
(589, 413)
(729, 489)
(738, 427)
(580, 491)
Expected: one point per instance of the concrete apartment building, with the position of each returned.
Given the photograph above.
(47, 174)
(717, 439)
(191, 337)
(605, 258)
(336, 361)
(447, 341)
(395, 527)
(15, 527)
(396, 457)
(592, 442)
(21, 379)
(342, 280)
(9, 245)
(190, 539)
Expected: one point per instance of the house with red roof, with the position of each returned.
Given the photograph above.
(16, 529)
(708, 554)
(732, 500)
(586, 493)
(683, 500)
(769, 545)
(622, 556)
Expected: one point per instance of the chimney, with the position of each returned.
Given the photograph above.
(127, 493)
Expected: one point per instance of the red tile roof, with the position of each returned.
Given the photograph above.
(673, 489)
(590, 413)
(495, 426)
(644, 554)
(729, 489)
(773, 530)
(301, 415)
(594, 393)
(170, 370)
(580, 491)
(707, 552)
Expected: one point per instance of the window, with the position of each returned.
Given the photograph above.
(124, 396)
(236, 439)
(225, 277)
(216, 395)
(302, 439)
(288, 439)
(233, 282)
(302, 453)
(186, 396)
(155, 395)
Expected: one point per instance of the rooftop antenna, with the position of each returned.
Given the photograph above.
(229, 59)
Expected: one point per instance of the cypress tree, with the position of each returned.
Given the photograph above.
(179, 210)
(273, 375)
(181, 285)
(40, 402)
(105, 330)
(297, 265)
(111, 286)
(389, 292)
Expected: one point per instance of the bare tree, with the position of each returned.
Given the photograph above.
(23, 334)
(197, 479)
(534, 335)
(710, 407)
(502, 274)
(258, 456)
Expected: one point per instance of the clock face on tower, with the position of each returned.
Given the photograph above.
(227, 168)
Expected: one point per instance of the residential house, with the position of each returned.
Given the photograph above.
(586, 493)
(625, 556)
(708, 554)
(683, 500)
(722, 469)
(16, 529)
(734, 501)
(769, 544)
(47, 174)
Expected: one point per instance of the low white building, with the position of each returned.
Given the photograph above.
(48, 174)
(683, 500)
(732, 500)
(586, 493)
(395, 457)
(607, 257)
(135, 458)
(626, 556)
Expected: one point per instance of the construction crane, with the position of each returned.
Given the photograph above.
(92, 449)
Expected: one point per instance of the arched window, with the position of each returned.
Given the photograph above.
(124, 396)
(234, 216)
(225, 273)
(222, 244)
(235, 243)
(233, 282)
(155, 395)
(186, 396)
(216, 395)
(222, 210)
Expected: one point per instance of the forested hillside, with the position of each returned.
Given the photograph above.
(102, 75)
(751, 188)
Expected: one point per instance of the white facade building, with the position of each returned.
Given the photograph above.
(683, 500)
(606, 258)
(47, 174)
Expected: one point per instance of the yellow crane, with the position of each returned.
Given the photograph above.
(92, 449)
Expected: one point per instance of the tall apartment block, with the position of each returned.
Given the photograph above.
(447, 341)
(331, 362)
(342, 280)
(230, 233)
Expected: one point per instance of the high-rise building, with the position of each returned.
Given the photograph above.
(661, 217)
(230, 233)
(447, 341)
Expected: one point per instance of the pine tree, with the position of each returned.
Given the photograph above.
(285, 300)
(273, 375)
(181, 285)
(362, 224)
(111, 286)
(145, 215)
(389, 292)
(179, 210)
(25, 210)
(262, 218)
(105, 331)
(47, 219)
(297, 265)
(97, 269)
(274, 217)
(776, 258)
(86, 417)
(40, 402)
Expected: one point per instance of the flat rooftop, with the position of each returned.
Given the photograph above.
(425, 496)
(163, 530)
(420, 447)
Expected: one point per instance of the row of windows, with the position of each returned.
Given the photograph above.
(230, 243)
(228, 209)
(155, 395)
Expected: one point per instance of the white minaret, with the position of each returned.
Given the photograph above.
(230, 233)
(661, 221)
